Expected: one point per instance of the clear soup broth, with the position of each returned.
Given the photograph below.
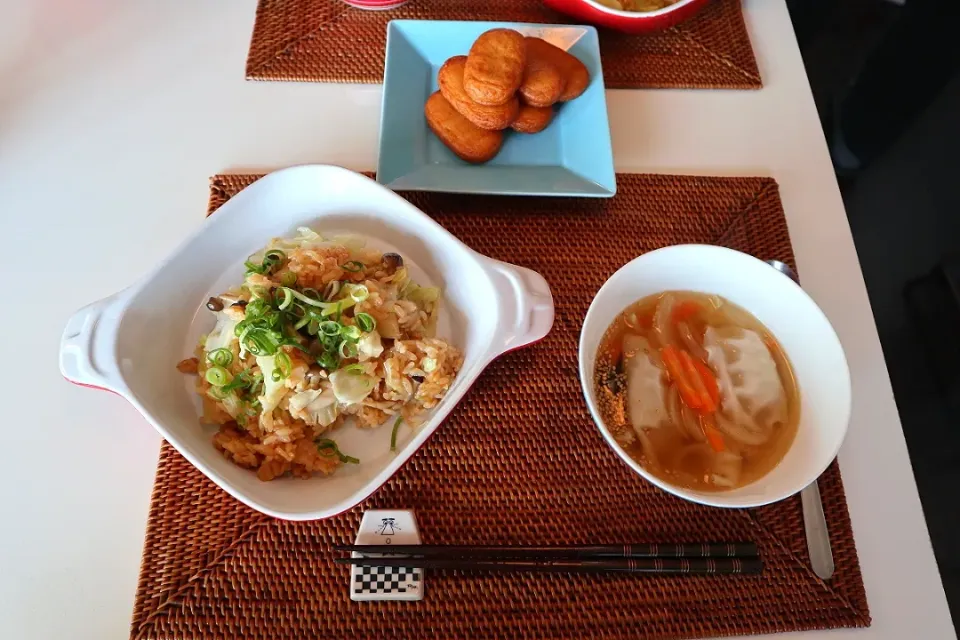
(697, 391)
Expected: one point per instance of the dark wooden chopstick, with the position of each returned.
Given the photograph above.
(700, 566)
(709, 550)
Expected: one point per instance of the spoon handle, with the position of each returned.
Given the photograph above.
(815, 525)
(814, 522)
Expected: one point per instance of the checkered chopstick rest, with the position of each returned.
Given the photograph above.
(382, 527)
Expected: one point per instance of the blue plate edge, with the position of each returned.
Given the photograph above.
(608, 188)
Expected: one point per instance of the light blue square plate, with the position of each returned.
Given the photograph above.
(571, 157)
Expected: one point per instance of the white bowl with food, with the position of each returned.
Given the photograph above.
(714, 376)
(323, 327)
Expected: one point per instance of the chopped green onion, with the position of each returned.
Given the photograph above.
(291, 342)
(287, 298)
(354, 266)
(348, 350)
(356, 367)
(221, 357)
(393, 434)
(366, 322)
(330, 328)
(274, 256)
(217, 393)
(337, 308)
(253, 268)
(256, 308)
(297, 310)
(288, 279)
(329, 448)
(329, 360)
(259, 292)
(283, 363)
(302, 322)
(256, 388)
(271, 259)
(260, 342)
(350, 332)
(359, 293)
(315, 302)
(331, 290)
(240, 381)
(217, 376)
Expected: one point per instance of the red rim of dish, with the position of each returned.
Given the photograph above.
(375, 4)
(634, 15)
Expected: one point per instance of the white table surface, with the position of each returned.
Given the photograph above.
(112, 116)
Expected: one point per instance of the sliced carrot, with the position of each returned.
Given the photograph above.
(685, 310)
(713, 435)
(707, 403)
(645, 321)
(709, 381)
(672, 361)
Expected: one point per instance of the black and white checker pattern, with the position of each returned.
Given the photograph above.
(385, 579)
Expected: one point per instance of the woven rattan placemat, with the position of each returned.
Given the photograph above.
(329, 41)
(518, 461)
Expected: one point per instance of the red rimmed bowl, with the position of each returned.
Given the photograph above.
(376, 5)
(593, 12)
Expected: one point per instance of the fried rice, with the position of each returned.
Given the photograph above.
(321, 332)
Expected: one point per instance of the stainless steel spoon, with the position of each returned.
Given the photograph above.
(814, 522)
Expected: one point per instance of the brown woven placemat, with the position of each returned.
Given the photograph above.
(518, 461)
(329, 41)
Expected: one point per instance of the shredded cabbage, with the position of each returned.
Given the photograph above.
(369, 346)
(222, 335)
(314, 407)
(422, 295)
(232, 404)
(308, 238)
(273, 390)
(350, 387)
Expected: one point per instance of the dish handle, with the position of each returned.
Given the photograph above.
(526, 305)
(87, 355)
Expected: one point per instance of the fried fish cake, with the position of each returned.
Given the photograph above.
(467, 140)
(495, 66)
(450, 79)
(574, 72)
(532, 119)
(543, 82)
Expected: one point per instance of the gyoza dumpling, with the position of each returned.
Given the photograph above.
(752, 398)
(646, 403)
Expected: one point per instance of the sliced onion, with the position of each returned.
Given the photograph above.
(722, 481)
(648, 451)
(691, 426)
(662, 321)
(727, 467)
(673, 408)
(740, 433)
(694, 347)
